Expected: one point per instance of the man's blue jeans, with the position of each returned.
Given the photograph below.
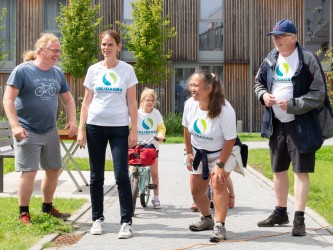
(97, 140)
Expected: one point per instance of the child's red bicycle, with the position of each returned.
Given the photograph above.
(141, 157)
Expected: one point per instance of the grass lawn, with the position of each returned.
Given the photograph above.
(321, 189)
(15, 236)
(243, 136)
(82, 162)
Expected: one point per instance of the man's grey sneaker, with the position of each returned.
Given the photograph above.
(125, 231)
(299, 227)
(156, 203)
(96, 228)
(219, 233)
(273, 219)
(203, 224)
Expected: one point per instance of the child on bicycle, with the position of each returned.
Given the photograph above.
(150, 123)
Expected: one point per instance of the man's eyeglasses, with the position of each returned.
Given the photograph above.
(54, 51)
(149, 100)
(279, 37)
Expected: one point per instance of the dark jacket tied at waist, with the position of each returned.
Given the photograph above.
(201, 156)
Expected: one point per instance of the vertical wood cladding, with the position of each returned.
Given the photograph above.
(184, 16)
(111, 11)
(237, 48)
(28, 25)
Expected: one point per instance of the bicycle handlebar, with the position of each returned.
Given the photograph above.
(150, 140)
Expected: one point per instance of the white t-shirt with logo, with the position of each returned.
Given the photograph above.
(109, 87)
(282, 87)
(206, 133)
(147, 124)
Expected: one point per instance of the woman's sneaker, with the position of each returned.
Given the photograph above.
(156, 203)
(219, 233)
(203, 224)
(96, 228)
(125, 231)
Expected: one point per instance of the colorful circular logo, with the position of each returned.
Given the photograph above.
(282, 69)
(110, 78)
(147, 123)
(200, 126)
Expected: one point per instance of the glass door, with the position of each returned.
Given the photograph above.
(181, 74)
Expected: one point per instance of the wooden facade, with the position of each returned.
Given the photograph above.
(240, 61)
(246, 23)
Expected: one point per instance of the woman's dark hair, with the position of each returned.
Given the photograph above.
(216, 97)
(111, 33)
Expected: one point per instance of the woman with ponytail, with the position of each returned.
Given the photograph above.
(210, 134)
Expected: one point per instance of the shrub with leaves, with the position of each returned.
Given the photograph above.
(173, 124)
(79, 39)
(328, 61)
(146, 38)
(3, 55)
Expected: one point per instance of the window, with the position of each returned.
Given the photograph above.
(127, 19)
(8, 34)
(211, 25)
(216, 69)
(317, 25)
(51, 10)
(181, 75)
(127, 11)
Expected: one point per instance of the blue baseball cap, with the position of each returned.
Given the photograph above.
(283, 26)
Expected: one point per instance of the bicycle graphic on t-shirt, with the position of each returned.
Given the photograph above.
(46, 88)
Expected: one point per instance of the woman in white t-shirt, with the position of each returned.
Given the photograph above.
(110, 96)
(210, 134)
(150, 124)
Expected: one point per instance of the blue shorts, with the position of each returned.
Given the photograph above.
(38, 151)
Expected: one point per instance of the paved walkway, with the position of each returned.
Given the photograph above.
(167, 228)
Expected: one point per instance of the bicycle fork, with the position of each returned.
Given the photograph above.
(144, 180)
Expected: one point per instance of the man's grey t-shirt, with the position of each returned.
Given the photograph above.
(37, 102)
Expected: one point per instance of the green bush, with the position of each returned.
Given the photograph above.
(173, 124)
(61, 119)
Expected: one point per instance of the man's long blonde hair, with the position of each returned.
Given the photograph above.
(42, 42)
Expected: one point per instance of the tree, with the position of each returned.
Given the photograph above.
(146, 38)
(3, 55)
(79, 40)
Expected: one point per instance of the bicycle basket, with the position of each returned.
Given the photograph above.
(143, 155)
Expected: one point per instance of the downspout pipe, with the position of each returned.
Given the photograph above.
(251, 67)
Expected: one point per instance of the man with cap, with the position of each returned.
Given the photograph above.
(290, 84)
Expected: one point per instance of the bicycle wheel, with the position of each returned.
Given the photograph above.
(135, 189)
(144, 196)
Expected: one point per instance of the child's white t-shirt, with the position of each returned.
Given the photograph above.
(148, 124)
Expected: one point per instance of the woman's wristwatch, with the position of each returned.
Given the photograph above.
(220, 164)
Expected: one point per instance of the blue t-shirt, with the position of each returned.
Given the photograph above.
(37, 102)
